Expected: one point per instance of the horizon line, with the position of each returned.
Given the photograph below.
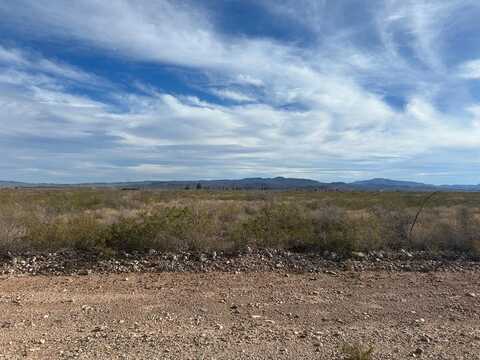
(232, 179)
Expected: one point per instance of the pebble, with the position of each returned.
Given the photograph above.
(417, 352)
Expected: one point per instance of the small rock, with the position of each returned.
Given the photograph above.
(420, 321)
(406, 253)
(417, 352)
(359, 255)
(329, 272)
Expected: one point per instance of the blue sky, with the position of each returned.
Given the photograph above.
(333, 90)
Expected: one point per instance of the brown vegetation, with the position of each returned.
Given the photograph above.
(106, 221)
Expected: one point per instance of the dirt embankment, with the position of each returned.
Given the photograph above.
(71, 262)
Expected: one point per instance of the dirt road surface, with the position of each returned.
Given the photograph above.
(240, 316)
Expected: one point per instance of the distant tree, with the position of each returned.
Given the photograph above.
(199, 186)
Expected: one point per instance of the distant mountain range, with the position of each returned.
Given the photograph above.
(13, 184)
(277, 183)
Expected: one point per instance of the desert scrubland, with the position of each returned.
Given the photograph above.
(199, 274)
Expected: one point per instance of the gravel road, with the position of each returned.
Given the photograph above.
(218, 315)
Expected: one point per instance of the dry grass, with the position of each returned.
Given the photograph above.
(357, 352)
(110, 220)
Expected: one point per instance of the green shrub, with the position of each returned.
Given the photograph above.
(394, 226)
(81, 232)
(333, 231)
(173, 228)
(274, 225)
(131, 234)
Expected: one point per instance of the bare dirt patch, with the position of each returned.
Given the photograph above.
(218, 315)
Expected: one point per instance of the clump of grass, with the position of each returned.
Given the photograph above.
(12, 230)
(274, 225)
(449, 229)
(357, 352)
(81, 232)
(336, 230)
(395, 225)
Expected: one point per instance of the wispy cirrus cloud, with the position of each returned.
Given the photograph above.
(18, 60)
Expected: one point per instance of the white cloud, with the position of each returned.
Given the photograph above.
(470, 69)
(10, 56)
(153, 31)
(233, 95)
(249, 80)
(156, 169)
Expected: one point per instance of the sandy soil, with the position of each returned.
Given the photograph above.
(240, 316)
